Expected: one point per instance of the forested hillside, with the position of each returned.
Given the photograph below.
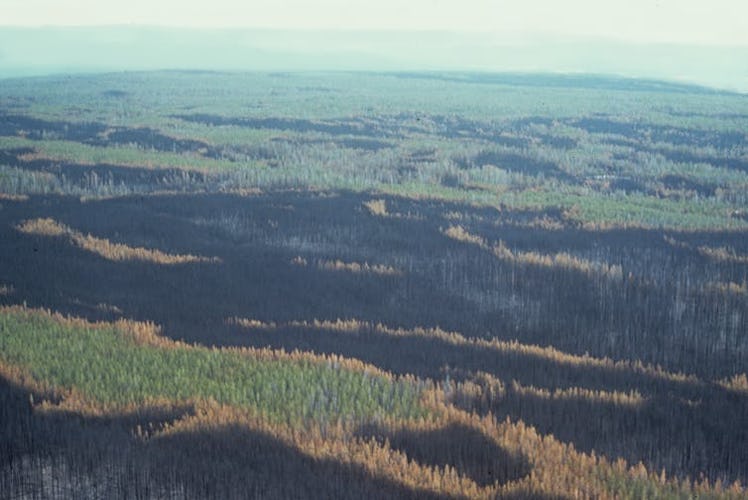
(361, 285)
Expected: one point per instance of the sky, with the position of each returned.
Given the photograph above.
(694, 22)
(689, 41)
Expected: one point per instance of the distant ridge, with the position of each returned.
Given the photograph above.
(567, 80)
(480, 58)
(536, 79)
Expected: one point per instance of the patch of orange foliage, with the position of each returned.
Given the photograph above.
(104, 247)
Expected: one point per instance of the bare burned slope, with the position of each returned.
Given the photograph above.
(59, 454)
(665, 306)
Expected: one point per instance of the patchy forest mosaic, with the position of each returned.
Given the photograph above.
(358, 285)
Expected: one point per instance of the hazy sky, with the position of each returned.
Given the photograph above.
(713, 22)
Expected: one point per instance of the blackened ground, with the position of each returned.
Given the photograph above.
(661, 307)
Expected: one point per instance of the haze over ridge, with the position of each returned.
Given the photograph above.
(56, 49)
